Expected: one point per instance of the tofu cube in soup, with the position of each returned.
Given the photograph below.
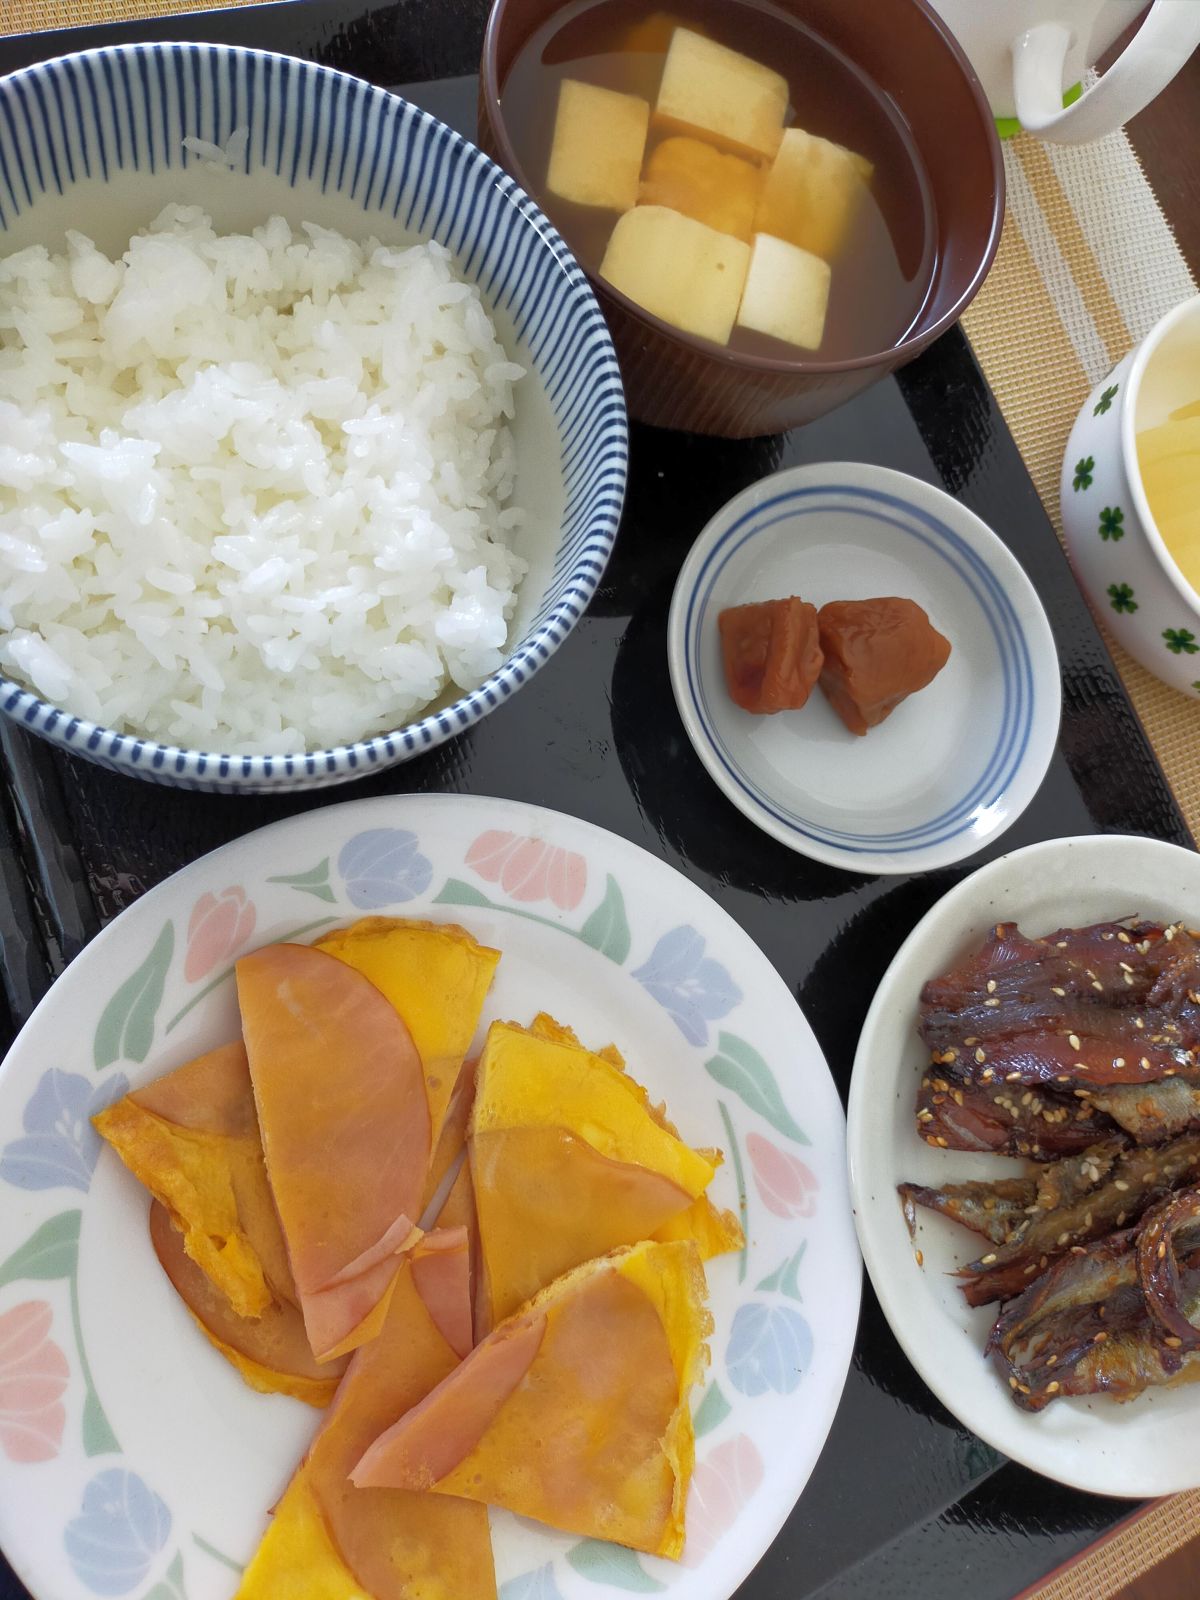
(684, 272)
(599, 138)
(786, 293)
(720, 94)
(811, 193)
(690, 176)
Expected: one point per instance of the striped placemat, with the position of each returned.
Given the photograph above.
(30, 16)
(1086, 265)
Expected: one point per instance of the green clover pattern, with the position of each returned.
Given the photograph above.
(1111, 519)
(1121, 596)
(1084, 468)
(1105, 401)
(1181, 641)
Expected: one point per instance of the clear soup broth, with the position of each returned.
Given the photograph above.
(882, 268)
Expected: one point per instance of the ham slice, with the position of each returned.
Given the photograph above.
(575, 1410)
(345, 1126)
(328, 1540)
(441, 1272)
(569, 1160)
(270, 1351)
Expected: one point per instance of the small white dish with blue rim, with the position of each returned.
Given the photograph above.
(955, 764)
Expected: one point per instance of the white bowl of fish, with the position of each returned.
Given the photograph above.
(312, 438)
(1024, 1146)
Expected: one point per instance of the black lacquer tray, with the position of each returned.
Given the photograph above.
(904, 1503)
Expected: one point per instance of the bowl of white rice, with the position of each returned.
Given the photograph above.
(312, 437)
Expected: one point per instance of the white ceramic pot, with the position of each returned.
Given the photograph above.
(1122, 564)
(1027, 53)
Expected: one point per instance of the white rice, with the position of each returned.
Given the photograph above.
(254, 489)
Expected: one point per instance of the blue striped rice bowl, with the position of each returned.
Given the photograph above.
(95, 141)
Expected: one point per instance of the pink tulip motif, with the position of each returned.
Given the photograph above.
(529, 869)
(33, 1376)
(721, 1485)
(219, 928)
(788, 1188)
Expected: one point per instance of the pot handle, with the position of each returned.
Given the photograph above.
(1163, 43)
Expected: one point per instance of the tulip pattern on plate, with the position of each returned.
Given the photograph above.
(529, 869)
(120, 1528)
(59, 1147)
(722, 1483)
(119, 1533)
(785, 1184)
(220, 928)
(33, 1377)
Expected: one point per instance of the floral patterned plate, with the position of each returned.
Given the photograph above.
(133, 1461)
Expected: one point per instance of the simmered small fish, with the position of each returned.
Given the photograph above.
(1087, 1326)
(1033, 1221)
(1004, 1120)
(1070, 1037)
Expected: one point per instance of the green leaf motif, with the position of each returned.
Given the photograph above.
(217, 1555)
(125, 1031)
(98, 1437)
(712, 1410)
(1121, 596)
(740, 1179)
(612, 1564)
(1083, 473)
(50, 1253)
(740, 1069)
(315, 881)
(1105, 401)
(607, 929)
(785, 1279)
(456, 893)
(170, 1587)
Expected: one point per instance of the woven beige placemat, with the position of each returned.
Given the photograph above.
(31, 16)
(1127, 1554)
(1087, 264)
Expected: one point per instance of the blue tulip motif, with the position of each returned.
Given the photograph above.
(120, 1528)
(60, 1147)
(770, 1348)
(694, 988)
(383, 867)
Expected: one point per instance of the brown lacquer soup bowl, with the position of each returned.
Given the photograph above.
(898, 53)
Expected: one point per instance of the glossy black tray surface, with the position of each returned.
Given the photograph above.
(904, 1503)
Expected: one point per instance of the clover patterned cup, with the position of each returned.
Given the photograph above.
(1117, 553)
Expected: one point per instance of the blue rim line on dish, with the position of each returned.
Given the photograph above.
(1010, 721)
(1017, 718)
(1011, 717)
(91, 90)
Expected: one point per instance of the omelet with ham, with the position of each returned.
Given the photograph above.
(570, 1160)
(192, 1138)
(327, 1539)
(575, 1410)
(534, 1350)
(271, 1351)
